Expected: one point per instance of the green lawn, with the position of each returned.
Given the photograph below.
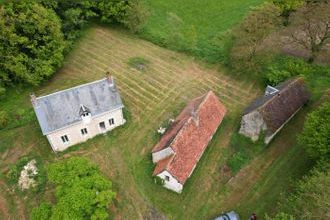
(196, 26)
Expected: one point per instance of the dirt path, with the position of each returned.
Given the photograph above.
(3, 208)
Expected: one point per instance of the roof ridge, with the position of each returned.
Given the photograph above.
(75, 87)
(185, 124)
(284, 89)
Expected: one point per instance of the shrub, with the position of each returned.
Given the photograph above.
(275, 76)
(15, 170)
(282, 68)
(138, 63)
(159, 181)
(4, 119)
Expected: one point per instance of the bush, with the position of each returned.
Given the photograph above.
(159, 181)
(281, 68)
(138, 63)
(15, 170)
(4, 119)
(275, 76)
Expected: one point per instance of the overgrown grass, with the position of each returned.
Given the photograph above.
(245, 150)
(194, 26)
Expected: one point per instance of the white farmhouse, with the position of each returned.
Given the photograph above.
(74, 115)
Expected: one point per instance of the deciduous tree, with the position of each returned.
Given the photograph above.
(259, 23)
(31, 42)
(310, 27)
(81, 191)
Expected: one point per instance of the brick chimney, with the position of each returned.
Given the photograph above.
(110, 79)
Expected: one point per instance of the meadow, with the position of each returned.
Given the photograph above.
(151, 96)
(194, 26)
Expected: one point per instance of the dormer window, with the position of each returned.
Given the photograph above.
(85, 114)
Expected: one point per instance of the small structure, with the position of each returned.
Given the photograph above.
(74, 115)
(183, 144)
(269, 113)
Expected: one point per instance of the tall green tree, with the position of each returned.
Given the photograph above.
(31, 42)
(77, 13)
(81, 191)
(315, 136)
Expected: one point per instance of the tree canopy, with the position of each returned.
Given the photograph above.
(31, 42)
(81, 191)
(315, 136)
(34, 34)
(256, 26)
(310, 28)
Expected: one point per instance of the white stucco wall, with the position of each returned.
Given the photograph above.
(74, 131)
(172, 184)
(252, 125)
(157, 156)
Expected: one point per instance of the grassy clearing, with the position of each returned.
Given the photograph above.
(194, 26)
(151, 98)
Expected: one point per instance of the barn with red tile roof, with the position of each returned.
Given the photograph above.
(183, 144)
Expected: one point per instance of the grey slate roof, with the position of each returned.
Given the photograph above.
(62, 109)
(278, 107)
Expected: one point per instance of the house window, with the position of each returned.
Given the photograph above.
(84, 131)
(65, 138)
(102, 126)
(167, 178)
(111, 121)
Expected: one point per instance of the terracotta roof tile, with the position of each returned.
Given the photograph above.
(190, 135)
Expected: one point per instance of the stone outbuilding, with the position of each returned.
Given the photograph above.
(183, 144)
(269, 113)
(76, 114)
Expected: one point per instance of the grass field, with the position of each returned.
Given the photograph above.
(195, 26)
(151, 96)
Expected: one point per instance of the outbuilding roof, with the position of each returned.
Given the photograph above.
(277, 107)
(63, 108)
(189, 136)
